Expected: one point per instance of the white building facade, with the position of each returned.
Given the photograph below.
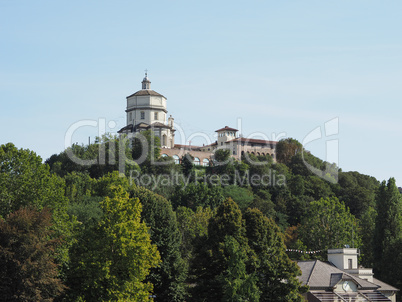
(146, 109)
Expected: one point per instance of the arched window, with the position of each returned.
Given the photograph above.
(205, 162)
(164, 155)
(196, 161)
(176, 159)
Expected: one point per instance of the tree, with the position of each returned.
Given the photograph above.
(238, 285)
(28, 268)
(388, 231)
(276, 273)
(242, 196)
(211, 259)
(286, 149)
(170, 276)
(26, 182)
(192, 226)
(146, 150)
(109, 153)
(195, 195)
(329, 224)
(111, 260)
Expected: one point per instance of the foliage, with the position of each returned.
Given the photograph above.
(192, 226)
(28, 268)
(244, 259)
(111, 260)
(329, 224)
(271, 265)
(195, 195)
(237, 284)
(109, 153)
(168, 278)
(26, 182)
(388, 231)
(286, 149)
(242, 196)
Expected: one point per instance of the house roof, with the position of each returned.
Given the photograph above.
(144, 92)
(126, 128)
(384, 286)
(213, 144)
(322, 275)
(226, 128)
(253, 141)
(187, 147)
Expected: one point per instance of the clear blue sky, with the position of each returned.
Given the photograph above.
(280, 66)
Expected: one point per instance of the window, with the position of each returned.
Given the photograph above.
(196, 161)
(156, 115)
(205, 162)
(131, 116)
(350, 264)
(142, 115)
(164, 155)
(176, 159)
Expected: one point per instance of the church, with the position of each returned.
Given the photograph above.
(147, 110)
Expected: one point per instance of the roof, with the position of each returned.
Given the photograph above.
(187, 147)
(159, 125)
(253, 141)
(227, 129)
(213, 144)
(126, 128)
(384, 286)
(322, 275)
(143, 92)
(142, 125)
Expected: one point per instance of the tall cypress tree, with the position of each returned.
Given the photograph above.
(388, 231)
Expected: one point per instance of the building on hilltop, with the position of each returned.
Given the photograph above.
(147, 109)
(342, 279)
(238, 146)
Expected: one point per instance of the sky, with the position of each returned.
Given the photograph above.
(272, 69)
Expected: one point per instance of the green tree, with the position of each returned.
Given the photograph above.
(211, 259)
(271, 265)
(111, 260)
(195, 195)
(238, 285)
(26, 182)
(242, 196)
(286, 149)
(329, 224)
(146, 150)
(28, 268)
(388, 231)
(109, 153)
(170, 276)
(192, 226)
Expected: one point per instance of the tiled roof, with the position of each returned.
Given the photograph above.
(253, 141)
(145, 92)
(227, 129)
(159, 125)
(126, 128)
(187, 147)
(383, 285)
(213, 144)
(323, 275)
